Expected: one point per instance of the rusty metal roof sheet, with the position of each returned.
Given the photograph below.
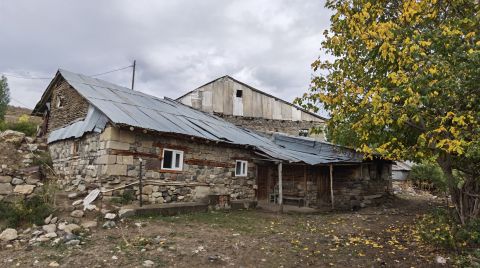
(123, 106)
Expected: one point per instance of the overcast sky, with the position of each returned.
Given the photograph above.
(178, 45)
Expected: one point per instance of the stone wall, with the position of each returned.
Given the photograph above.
(20, 177)
(355, 188)
(74, 106)
(270, 126)
(112, 160)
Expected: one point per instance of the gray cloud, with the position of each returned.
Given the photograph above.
(179, 45)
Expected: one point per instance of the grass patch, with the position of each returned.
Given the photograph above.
(32, 210)
(245, 221)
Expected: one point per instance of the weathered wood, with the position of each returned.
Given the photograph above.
(128, 153)
(331, 187)
(211, 163)
(280, 187)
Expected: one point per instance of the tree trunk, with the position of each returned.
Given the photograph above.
(465, 197)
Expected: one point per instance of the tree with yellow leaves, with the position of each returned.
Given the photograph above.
(404, 83)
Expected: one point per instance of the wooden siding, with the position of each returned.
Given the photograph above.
(219, 96)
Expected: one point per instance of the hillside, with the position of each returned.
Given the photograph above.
(14, 112)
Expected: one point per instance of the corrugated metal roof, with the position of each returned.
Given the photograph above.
(123, 106)
(402, 166)
(95, 121)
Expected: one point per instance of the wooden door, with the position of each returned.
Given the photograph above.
(262, 182)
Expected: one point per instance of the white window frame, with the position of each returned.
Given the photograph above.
(174, 154)
(244, 166)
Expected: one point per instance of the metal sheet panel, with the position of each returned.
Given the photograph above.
(121, 105)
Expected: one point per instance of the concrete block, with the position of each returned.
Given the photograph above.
(128, 160)
(110, 134)
(127, 136)
(106, 159)
(115, 170)
(117, 145)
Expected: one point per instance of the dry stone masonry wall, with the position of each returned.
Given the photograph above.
(19, 176)
(72, 106)
(111, 160)
(270, 126)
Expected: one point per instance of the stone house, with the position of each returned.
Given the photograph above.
(249, 107)
(102, 135)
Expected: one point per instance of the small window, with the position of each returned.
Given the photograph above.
(75, 148)
(172, 160)
(241, 168)
(60, 101)
(239, 93)
(303, 132)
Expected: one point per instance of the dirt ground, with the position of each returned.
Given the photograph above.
(371, 237)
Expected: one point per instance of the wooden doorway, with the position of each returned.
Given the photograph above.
(263, 180)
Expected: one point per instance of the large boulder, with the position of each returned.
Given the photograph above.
(8, 235)
(12, 136)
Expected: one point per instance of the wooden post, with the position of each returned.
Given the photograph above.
(133, 73)
(305, 202)
(140, 184)
(280, 187)
(331, 186)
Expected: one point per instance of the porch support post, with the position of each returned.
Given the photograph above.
(280, 187)
(331, 186)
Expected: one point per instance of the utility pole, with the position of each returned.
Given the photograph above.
(133, 74)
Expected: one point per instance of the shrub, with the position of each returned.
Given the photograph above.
(428, 173)
(440, 229)
(32, 210)
(27, 127)
(437, 228)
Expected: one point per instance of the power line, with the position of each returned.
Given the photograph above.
(25, 77)
(119, 69)
(49, 78)
(18, 101)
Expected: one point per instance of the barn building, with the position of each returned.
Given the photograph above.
(105, 136)
(246, 106)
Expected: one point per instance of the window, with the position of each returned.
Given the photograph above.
(303, 132)
(172, 160)
(241, 168)
(60, 101)
(239, 93)
(75, 146)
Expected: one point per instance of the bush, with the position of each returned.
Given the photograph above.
(27, 127)
(32, 210)
(428, 174)
(440, 229)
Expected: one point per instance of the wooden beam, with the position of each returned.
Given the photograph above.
(305, 184)
(280, 187)
(331, 187)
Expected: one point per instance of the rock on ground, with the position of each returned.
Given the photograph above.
(77, 214)
(8, 234)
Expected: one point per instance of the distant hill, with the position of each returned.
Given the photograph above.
(13, 113)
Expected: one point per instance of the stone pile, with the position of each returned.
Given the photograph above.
(54, 231)
(19, 177)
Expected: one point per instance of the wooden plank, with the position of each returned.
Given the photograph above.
(228, 95)
(331, 187)
(247, 101)
(280, 188)
(286, 111)
(257, 110)
(218, 97)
